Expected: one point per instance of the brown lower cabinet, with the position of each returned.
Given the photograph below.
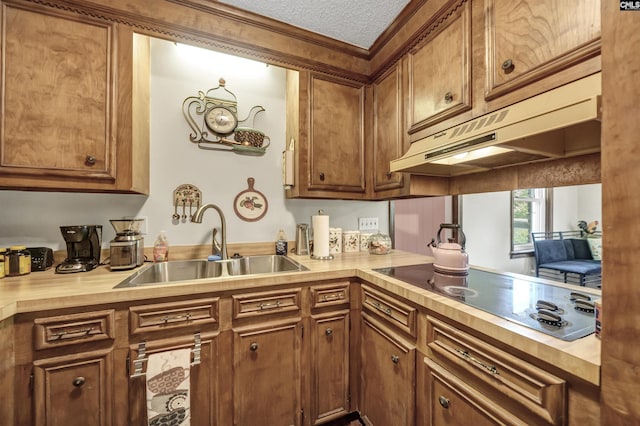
(301, 355)
(449, 401)
(387, 377)
(330, 354)
(203, 379)
(266, 374)
(75, 389)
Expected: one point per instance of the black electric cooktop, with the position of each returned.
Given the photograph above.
(554, 310)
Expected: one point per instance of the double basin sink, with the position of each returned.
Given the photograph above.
(184, 270)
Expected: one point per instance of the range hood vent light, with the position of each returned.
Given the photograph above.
(560, 123)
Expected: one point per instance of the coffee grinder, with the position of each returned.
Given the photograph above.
(126, 250)
(83, 248)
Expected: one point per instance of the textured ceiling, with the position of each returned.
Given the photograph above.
(357, 22)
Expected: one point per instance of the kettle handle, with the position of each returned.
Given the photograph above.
(463, 239)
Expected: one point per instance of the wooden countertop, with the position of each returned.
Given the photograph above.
(42, 291)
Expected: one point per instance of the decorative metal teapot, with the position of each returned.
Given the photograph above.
(450, 256)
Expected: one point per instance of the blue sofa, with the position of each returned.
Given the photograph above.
(568, 254)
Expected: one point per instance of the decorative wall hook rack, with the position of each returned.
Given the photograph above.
(184, 196)
(213, 118)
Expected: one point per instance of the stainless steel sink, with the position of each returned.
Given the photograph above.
(184, 270)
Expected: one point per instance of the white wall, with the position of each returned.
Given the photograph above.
(486, 223)
(33, 218)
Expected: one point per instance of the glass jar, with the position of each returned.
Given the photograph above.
(17, 261)
(379, 244)
(2, 256)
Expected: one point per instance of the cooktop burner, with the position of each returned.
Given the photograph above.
(554, 310)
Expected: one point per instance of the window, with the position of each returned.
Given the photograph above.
(530, 212)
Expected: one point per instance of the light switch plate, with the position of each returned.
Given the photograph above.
(368, 223)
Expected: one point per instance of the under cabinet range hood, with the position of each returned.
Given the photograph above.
(560, 123)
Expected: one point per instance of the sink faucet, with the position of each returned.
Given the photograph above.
(197, 218)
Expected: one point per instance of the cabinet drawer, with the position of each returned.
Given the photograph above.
(173, 315)
(330, 294)
(538, 395)
(256, 304)
(389, 309)
(72, 329)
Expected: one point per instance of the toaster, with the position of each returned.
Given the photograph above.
(41, 258)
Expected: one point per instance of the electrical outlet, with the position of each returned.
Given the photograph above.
(368, 223)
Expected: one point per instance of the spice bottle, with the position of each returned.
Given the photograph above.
(281, 243)
(17, 261)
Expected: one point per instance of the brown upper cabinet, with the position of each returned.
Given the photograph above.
(529, 40)
(75, 118)
(75, 86)
(325, 120)
(440, 71)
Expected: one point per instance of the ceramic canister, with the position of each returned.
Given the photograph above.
(350, 241)
(364, 241)
(335, 240)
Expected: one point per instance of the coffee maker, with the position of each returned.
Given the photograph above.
(83, 248)
(127, 248)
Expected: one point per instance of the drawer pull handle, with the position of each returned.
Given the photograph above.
(274, 305)
(448, 97)
(491, 368)
(385, 309)
(444, 402)
(253, 347)
(90, 160)
(395, 359)
(78, 381)
(167, 318)
(72, 333)
(328, 332)
(330, 297)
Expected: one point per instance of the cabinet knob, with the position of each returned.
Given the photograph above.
(90, 160)
(78, 381)
(448, 97)
(322, 177)
(389, 175)
(443, 401)
(253, 347)
(328, 332)
(395, 359)
(508, 66)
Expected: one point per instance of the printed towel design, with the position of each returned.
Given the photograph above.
(168, 400)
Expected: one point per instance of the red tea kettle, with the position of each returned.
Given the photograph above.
(450, 256)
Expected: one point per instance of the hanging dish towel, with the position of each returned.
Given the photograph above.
(168, 401)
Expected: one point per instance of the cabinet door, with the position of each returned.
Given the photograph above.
(74, 389)
(388, 133)
(75, 114)
(531, 39)
(325, 121)
(387, 377)
(266, 375)
(440, 72)
(336, 135)
(58, 95)
(450, 402)
(203, 380)
(330, 366)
